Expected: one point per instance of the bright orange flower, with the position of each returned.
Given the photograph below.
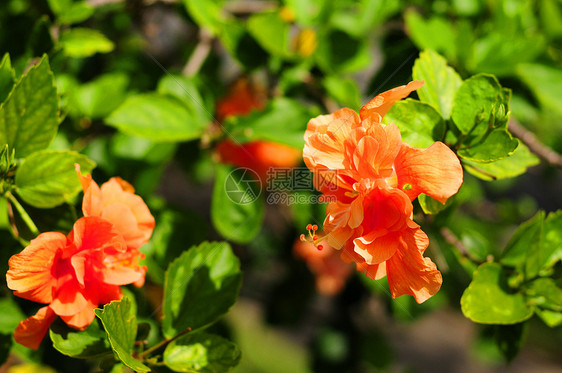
(259, 156)
(116, 202)
(374, 178)
(74, 274)
(330, 271)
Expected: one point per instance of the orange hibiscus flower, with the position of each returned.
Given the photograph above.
(374, 176)
(74, 274)
(259, 156)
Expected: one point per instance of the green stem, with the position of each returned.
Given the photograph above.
(162, 344)
(24, 215)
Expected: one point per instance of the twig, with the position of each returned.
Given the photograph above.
(249, 6)
(200, 53)
(163, 343)
(453, 240)
(534, 144)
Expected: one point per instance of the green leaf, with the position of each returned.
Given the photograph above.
(493, 55)
(29, 116)
(100, 97)
(236, 208)
(75, 13)
(7, 77)
(200, 287)
(282, 121)
(120, 323)
(11, 315)
(552, 240)
(344, 91)
(185, 89)
(271, 32)
(432, 206)
(524, 249)
(498, 145)
(477, 105)
(550, 318)
(441, 81)
(206, 13)
(436, 33)
(84, 42)
(544, 81)
(419, 123)
(86, 344)
(546, 294)
(341, 52)
(201, 352)
(510, 166)
(160, 118)
(48, 178)
(489, 300)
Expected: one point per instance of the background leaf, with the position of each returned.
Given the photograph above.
(86, 344)
(237, 208)
(29, 116)
(201, 352)
(48, 178)
(489, 300)
(84, 42)
(160, 118)
(200, 286)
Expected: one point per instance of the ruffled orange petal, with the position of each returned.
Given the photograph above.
(435, 171)
(94, 233)
(30, 274)
(113, 193)
(92, 200)
(70, 299)
(381, 104)
(377, 246)
(31, 331)
(409, 272)
(82, 319)
(325, 139)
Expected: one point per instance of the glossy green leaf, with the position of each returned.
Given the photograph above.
(200, 287)
(160, 118)
(201, 352)
(432, 206)
(84, 42)
(498, 145)
(206, 13)
(524, 249)
(237, 207)
(478, 103)
(271, 32)
(186, 90)
(100, 97)
(546, 294)
(29, 116)
(77, 12)
(120, 323)
(7, 77)
(419, 123)
(489, 300)
(510, 166)
(441, 81)
(344, 91)
(552, 240)
(436, 33)
(283, 120)
(544, 81)
(86, 344)
(48, 178)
